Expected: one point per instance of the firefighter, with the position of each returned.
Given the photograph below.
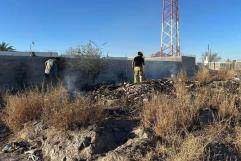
(138, 67)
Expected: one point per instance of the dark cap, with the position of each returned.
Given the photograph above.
(140, 53)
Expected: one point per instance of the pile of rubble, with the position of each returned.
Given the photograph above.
(25, 149)
(230, 86)
(132, 94)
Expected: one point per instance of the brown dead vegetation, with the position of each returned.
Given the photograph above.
(77, 114)
(181, 76)
(174, 119)
(23, 107)
(205, 75)
(53, 107)
(167, 115)
(183, 108)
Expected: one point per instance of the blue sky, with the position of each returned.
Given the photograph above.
(126, 25)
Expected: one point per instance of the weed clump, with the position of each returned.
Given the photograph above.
(23, 107)
(205, 75)
(53, 107)
(167, 115)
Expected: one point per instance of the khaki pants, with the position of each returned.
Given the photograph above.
(138, 74)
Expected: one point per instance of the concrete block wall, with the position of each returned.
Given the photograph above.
(17, 72)
(161, 69)
(189, 65)
(116, 71)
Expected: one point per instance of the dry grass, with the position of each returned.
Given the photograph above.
(167, 116)
(228, 108)
(216, 133)
(220, 100)
(79, 113)
(193, 146)
(181, 90)
(22, 108)
(225, 74)
(53, 107)
(237, 140)
(171, 117)
(191, 149)
(203, 75)
(182, 76)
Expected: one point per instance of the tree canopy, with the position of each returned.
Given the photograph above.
(212, 57)
(6, 47)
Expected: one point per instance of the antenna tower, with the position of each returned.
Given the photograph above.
(170, 41)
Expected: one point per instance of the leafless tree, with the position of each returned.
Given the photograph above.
(87, 58)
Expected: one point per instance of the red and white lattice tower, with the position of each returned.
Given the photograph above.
(170, 42)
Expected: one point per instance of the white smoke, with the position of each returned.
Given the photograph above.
(69, 81)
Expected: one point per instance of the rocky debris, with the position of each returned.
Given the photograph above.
(34, 155)
(88, 144)
(26, 145)
(135, 94)
(113, 92)
(205, 117)
(32, 131)
(85, 142)
(230, 86)
(220, 152)
(134, 149)
(67, 146)
(23, 149)
(114, 156)
(131, 95)
(113, 134)
(16, 146)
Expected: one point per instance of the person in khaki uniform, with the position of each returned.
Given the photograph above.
(138, 67)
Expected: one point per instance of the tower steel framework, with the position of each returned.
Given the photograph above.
(170, 41)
